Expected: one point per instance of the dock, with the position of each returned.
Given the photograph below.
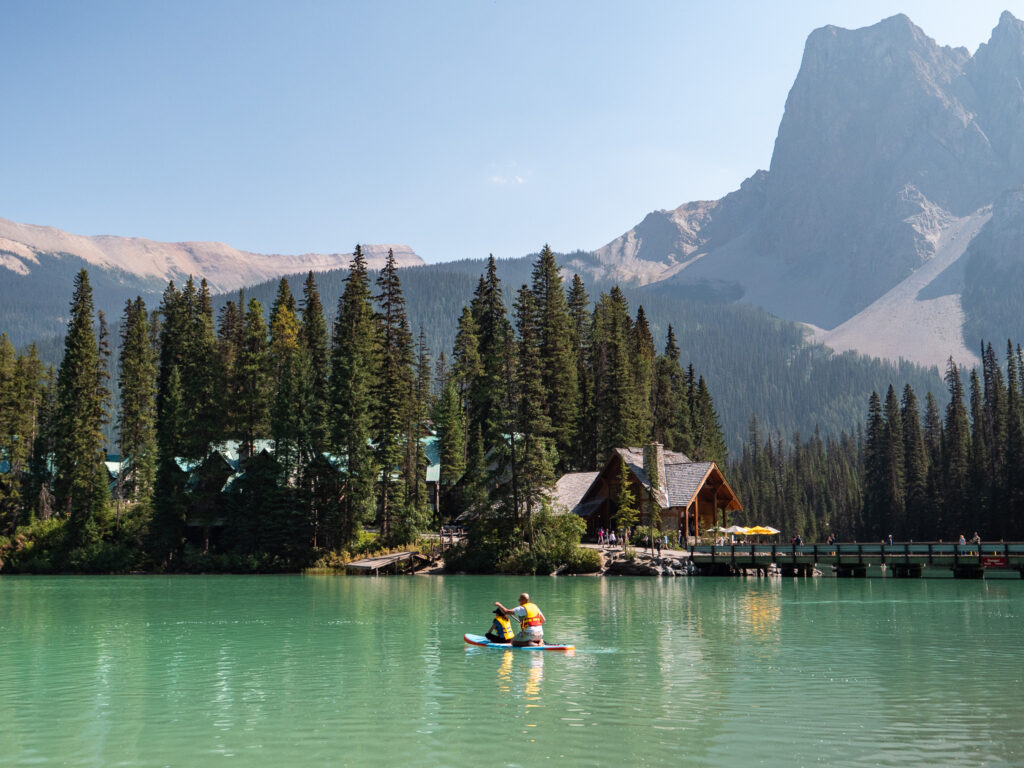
(394, 561)
(906, 559)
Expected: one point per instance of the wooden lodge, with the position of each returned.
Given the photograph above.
(691, 496)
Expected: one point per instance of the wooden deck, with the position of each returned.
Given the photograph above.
(393, 561)
(907, 559)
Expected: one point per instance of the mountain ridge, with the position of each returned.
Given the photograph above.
(224, 267)
(887, 143)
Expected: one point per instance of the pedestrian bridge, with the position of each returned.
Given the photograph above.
(905, 559)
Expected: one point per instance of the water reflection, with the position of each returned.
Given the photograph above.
(374, 672)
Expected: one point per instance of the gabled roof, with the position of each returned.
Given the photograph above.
(570, 489)
(683, 480)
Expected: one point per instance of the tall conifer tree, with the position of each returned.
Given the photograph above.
(394, 385)
(81, 487)
(354, 371)
(137, 414)
(557, 358)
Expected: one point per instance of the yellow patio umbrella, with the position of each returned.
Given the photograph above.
(762, 530)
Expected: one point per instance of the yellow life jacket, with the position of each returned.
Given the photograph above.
(503, 628)
(532, 618)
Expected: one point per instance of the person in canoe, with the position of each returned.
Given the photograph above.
(531, 621)
(501, 628)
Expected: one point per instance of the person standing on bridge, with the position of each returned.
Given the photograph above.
(531, 621)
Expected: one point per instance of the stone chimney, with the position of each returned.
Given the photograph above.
(654, 465)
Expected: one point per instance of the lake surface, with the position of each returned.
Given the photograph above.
(363, 671)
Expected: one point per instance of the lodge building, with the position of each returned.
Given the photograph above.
(691, 496)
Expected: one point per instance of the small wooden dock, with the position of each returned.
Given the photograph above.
(394, 561)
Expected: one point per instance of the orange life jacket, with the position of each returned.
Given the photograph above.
(533, 617)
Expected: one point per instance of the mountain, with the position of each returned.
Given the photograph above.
(37, 265)
(890, 158)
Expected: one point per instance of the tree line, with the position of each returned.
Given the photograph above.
(551, 387)
(917, 473)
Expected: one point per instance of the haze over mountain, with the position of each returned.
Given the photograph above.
(889, 158)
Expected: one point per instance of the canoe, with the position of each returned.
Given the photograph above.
(485, 643)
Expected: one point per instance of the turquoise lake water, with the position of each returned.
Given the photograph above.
(363, 671)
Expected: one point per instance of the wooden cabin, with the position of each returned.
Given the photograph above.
(691, 496)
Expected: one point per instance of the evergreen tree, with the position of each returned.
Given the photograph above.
(668, 400)
(875, 471)
(933, 439)
(252, 377)
(956, 452)
(643, 376)
(708, 441)
(615, 391)
(915, 468)
(489, 407)
(81, 487)
(415, 470)
(534, 454)
(1013, 520)
(580, 327)
(394, 384)
(452, 438)
(557, 356)
(893, 512)
(317, 348)
(354, 367)
(137, 414)
(626, 512)
(289, 414)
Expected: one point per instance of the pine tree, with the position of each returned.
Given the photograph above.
(290, 411)
(894, 511)
(933, 439)
(394, 385)
(615, 391)
(81, 487)
(915, 468)
(956, 452)
(533, 451)
(452, 438)
(137, 414)
(317, 346)
(580, 328)
(489, 407)
(354, 371)
(709, 442)
(1013, 520)
(875, 471)
(557, 356)
(626, 512)
(668, 401)
(643, 376)
(415, 470)
(252, 377)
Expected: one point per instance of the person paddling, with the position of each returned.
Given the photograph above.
(501, 628)
(530, 621)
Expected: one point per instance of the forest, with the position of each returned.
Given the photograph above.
(329, 425)
(250, 439)
(917, 472)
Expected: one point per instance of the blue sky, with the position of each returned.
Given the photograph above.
(458, 128)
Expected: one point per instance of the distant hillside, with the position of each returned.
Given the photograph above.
(38, 264)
